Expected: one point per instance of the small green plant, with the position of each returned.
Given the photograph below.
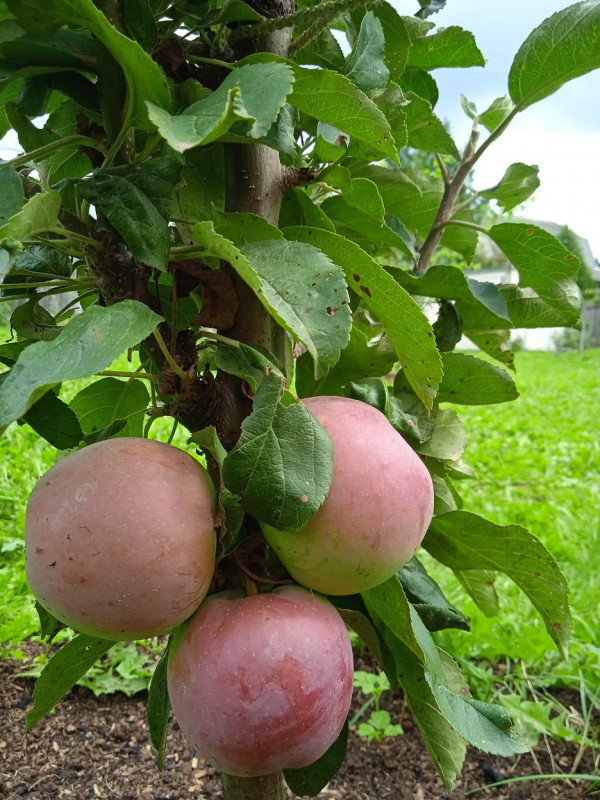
(379, 725)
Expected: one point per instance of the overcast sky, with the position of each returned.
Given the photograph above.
(560, 134)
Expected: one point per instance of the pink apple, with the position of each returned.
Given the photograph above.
(376, 513)
(120, 538)
(262, 683)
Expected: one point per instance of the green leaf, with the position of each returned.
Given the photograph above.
(479, 585)
(365, 66)
(140, 23)
(495, 344)
(283, 463)
(392, 103)
(144, 77)
(543, 263)
(12, 197)
(201, 187)
(472, 381)
(53, 420)
(298, 209)
(447, 328)
(310, 781)
(324, 51)
(246, 362)
(464, 541)
(62, 672)
(429, 7)
(254, 93)
(36, 264)
(49, 625)
(409, 194)
(448, 440)
(357, 361)
(449, 47)
(108, 400)
(518, 184)
(136, 200)
(37, 216)
(421, 83)
(332, 98)
(88, 344)
(396, 38)
(426, 130)
(360, 213)
(450, 283)
(407, 327)
(564, 46)
(244, 227)
(372, 391)
(299, 285)
(481, 724)
(31, 321)
(497, 112)
(428, 599)
(158, 705)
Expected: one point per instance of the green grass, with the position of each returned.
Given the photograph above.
(538, 464)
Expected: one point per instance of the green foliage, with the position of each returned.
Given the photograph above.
(379, 725)
(131, 209)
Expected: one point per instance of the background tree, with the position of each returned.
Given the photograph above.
(217, 190)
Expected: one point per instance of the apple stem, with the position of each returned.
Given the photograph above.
(263, 787)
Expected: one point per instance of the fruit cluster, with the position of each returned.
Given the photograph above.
(120, 544)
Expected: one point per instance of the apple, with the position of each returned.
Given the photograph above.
(262, 683)
(120, 538)
(377, 511)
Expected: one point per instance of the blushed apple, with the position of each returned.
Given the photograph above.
(120, 538)
(262, 683)
(376, 513)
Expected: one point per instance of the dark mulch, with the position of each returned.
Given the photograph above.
(100, 748)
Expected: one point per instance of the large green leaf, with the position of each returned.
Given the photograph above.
(62, 672)
(331, 97)
(473, 381)
(449, 47)
(465, 541)
(426, 130)
(406, 325)
(450, 283)
(429, 601)
(144, 77)
(483, 725)
(409, 194)
(136, 201)
(365, 66)
(359, 213)
(298, 284)
(108, 400)
(448, 440)
(37, 216)
(564, 46)
(254, 93)
(518, 184)
(283, 463)
(88, 344)
(544, 264)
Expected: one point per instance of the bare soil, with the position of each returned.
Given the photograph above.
(100, 748)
